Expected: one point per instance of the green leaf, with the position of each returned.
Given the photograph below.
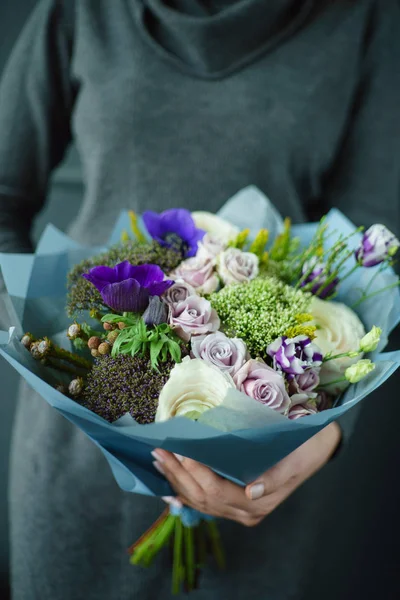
(175, 351)
(155, 350)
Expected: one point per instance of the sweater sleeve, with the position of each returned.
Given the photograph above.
(364, 183)
(36, 99)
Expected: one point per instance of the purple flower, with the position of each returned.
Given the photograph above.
(174, 228)
(316, 273)
(228, 354)
(377, 244)
(294, 355)
(259, 381)
(126, 287)
(302, 410)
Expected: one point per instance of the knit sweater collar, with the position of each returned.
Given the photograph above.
(212, 38)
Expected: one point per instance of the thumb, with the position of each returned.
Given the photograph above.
(270, 481)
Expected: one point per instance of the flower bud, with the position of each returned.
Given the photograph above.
(95, 353)
(76, 386)
(370, 341)
(112, 336)
(121, 325)
(94, 342)
(44, 347)
(108, 326)
(74, 331)
(377, 245)
(27, 340)
(156, 312)
(359, 370)
(104, 348)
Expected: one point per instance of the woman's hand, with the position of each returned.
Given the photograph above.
(199, 487)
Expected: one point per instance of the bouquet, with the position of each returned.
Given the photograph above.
(201, 333)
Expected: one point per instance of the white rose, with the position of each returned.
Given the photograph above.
(339, 330)
(193, 387)
(235, 266)
(214, 225)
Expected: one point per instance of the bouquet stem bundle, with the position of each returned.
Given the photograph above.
(190, 543)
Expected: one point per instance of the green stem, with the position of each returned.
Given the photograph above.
(143, 552)
(62, 354)
(160, 539)
(190, 557)
(216, 544)
(328, 383)
(53, 364)
(368, 296)
(327, 358)
(177, 569)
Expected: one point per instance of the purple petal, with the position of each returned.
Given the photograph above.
(152, 221)
(125, 270)
(126, 296)
(194, 242)
(100, 276)
(157, 289)
(147, 274)
(179, 221)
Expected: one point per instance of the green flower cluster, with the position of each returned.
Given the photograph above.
(259, 311)
(82, 295)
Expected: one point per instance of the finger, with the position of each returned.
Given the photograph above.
(280, 475)
(198, 487)
(216, 488)
(181, 480)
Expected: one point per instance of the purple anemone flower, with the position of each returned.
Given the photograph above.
(294, 355)
(128, 288)
(377, 245)
(317, 275)
(174, 228)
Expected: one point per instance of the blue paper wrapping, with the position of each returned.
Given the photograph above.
(36, 302)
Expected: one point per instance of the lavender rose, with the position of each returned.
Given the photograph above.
(302, 410)
(210, 246)
(193, 316)
(235, 266)
(198, 272)
(259, 381)
(179, 291)
(228, 354)
(301, 387)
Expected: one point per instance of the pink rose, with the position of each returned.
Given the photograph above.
(301, 386)
(259, 381)
(235, 266)
(210, 246)
(179, 291)
(193, 316)
(228, 354)
(198, 271)
(301, 410)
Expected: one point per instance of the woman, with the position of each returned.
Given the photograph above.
(184, 102)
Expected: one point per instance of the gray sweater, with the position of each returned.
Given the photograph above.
(182, 103)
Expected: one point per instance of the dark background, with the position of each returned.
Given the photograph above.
(359, 535)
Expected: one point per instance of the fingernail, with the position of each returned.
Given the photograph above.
(159, 467)
(157, 456)
(179, 457)
(173, 501)
(257, 491)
